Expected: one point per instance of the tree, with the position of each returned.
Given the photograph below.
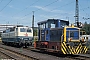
(85, 23)
(35, 32)
(86, 28)
(0, 34)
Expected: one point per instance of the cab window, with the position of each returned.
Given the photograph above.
(29, 30)
(22, 29)
(71, 34)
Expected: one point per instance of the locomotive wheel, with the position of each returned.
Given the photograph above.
(18, 45)
(25, 45)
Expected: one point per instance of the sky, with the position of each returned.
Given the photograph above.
(21, 11)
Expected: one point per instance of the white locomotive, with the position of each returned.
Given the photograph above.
(18, 36)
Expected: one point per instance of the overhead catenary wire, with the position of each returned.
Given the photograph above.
(59, 7)
(53, 8)
(5, 6)
(47, 5)
(62, 6)
(27, 7)
(40, 9)
(1, 1)
(83, 9)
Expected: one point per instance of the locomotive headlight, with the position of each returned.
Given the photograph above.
(69, 39)
(82, 39)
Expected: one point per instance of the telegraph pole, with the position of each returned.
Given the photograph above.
(33, 20)
(77, 14)
(33, 25)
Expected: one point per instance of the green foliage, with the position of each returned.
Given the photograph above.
(0, 34)
(86, 28)
(35, 32)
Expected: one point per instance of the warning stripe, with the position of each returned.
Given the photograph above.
(68, 51)
(77, 48)
(63, 49)
(80, 50)
(85, 49)
(73, 48)
(71, 51)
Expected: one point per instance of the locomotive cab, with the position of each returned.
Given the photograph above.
(55, 35)
(50, 27)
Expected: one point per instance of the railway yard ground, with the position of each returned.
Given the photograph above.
(13, 53)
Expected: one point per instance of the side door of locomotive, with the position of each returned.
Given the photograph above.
(42, 35)
(47, 34)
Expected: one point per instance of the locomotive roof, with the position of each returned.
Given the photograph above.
(51, 20)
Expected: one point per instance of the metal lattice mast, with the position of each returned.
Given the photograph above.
(77, 14)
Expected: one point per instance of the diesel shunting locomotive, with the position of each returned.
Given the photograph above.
(55, 35)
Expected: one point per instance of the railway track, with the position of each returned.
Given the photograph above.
(75, 57)
(37, 55)
(14, 55)
(4, 56)
(31, 54)
(79, 57)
